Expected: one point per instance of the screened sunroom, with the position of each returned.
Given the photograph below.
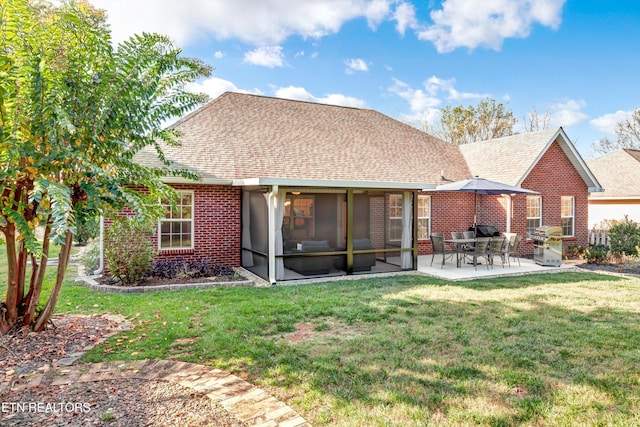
(292, 232)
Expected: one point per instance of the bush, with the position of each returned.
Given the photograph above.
(128, 250)
(91, 257)
(624, 237)
(177, 268)
(574, 251)
(596, 254)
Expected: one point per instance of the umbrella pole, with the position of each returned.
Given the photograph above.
(475, 216)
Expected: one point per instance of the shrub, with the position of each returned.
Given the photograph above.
(596, 254)
(574, 251)
(128, 250)
(177, 268)
(624, 237)
(91, 256)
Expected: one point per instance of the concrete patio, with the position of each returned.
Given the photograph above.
(469, 272)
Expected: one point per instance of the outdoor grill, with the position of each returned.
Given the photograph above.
(547, 245)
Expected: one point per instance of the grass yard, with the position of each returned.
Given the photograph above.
(558, 349)
(553, 350)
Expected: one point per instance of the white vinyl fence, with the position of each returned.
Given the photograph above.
(599, 237)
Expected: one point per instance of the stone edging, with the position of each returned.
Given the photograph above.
(247, 402)
(89, 282)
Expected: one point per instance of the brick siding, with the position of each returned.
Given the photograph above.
(217, 228)
(553, 177)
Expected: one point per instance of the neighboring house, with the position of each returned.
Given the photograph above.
(291, 189)
(619, 174)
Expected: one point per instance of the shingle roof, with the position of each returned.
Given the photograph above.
(618, 172)
(239, 136)
(507, 159)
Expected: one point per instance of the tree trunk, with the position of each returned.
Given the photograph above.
(22, 256)
(11, 315)
(63, 261)
(37, 278)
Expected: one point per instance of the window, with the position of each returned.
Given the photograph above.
(534, 213)
(567, 215)
(176, 228)
(299, 217)
(424, 216)
(395, 217)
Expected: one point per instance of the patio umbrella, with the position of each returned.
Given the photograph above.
(478, 185)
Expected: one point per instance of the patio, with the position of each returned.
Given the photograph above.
(468, 271)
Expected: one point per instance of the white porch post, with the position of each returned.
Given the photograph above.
(276, 213)
(272, 233)
(406, 257)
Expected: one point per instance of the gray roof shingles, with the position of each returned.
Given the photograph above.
(618, 172)
(239, 136)
(506, 159)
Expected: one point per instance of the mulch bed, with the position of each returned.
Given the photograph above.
(626, 269)
(128, 402)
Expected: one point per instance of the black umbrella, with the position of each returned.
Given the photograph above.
(478, 185)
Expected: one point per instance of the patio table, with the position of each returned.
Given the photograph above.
(458, 244)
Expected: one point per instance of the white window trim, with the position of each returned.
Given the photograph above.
(532, 217)
(193, 220)
(428, 217)
(573, 215)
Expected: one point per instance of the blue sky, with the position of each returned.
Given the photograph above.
(576, 60)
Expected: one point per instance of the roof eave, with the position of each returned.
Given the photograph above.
(327, 183)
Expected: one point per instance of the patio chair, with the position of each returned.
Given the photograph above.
(480, 250)
(512, 249)
(437, 241)
(497, 249)
(463, 248)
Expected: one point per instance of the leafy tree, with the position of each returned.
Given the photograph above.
(488, 120)
(74, 111)
(627, 132)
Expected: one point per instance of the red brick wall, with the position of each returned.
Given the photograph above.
(217, 216)
(553, 177)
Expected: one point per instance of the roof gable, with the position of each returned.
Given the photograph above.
(510, 159)
(240, 136)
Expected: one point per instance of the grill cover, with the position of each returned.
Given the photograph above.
(486, 231)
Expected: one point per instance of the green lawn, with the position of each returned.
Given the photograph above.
(553, 350)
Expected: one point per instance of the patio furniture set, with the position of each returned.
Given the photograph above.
(467, 247)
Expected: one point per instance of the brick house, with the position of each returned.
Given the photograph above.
(293, 189)
(619, 174)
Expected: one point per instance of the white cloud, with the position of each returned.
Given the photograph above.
(214, 87)
(607, 122)
(434, 85)
(267, 56)
(218, 54)
(405, 16)
(354, 65)
(472, 23)
(260, 23)
(375, 11)
(567, 113)
(301, 94)
(420, 102)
